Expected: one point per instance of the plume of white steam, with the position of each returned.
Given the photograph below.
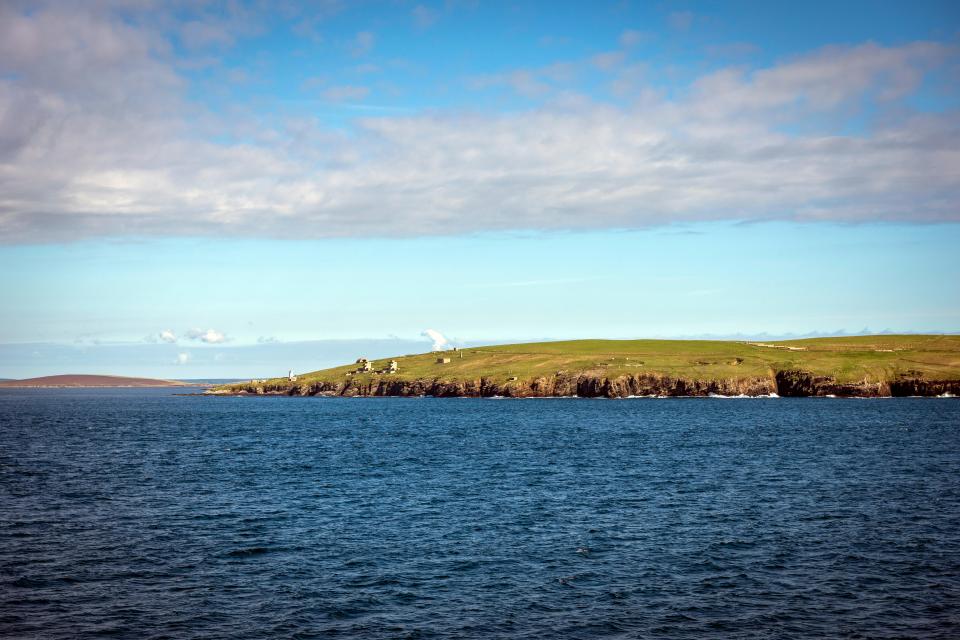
(440, 342)
(168, 336)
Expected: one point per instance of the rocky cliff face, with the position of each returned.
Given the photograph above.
(597, 385)
(915, 387)
(799, 384)
(802, 384)
(586, 385)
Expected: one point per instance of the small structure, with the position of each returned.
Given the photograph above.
(364, 366)
(393, 367)
(512, 378)
(443, 360)
(290, 376)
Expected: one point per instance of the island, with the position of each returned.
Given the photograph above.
(84, 380)
(860, 366)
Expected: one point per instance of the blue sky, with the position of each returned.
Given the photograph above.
(232, 189)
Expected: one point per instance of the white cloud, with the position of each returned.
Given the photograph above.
(346, 92)
(631, 38)
(168, 336)
(680, 20)
(524, 82)
(83, 94)
(732, 50)
(820, 82)
(182, 358)
(201, 33)
(608, 60)
(313, 83)
(440, 342)
(210, 336)
(424, 16)
(362, 44)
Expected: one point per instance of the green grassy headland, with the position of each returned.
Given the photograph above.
(846, 359)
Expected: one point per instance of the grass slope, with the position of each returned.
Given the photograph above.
(869, 358)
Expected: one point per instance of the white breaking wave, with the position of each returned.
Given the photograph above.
(742, 395)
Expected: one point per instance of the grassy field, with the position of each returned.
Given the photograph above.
(860, 358)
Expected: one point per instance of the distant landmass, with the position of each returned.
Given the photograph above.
(854, 366)
(83, 380)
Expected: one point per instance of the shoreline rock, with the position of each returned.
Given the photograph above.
(789, 384)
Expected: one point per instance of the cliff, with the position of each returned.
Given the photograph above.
(586, 385)
(590, 385)
(802, 384)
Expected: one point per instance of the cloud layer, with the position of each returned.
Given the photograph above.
(98, 138)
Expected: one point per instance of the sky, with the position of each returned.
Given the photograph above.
(235, 189)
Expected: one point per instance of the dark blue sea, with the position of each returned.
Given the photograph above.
(142, 514)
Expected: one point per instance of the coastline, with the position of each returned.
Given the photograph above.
(96, 381)
(103, 386)
(784, 384)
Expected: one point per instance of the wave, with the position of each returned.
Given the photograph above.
(250, 551)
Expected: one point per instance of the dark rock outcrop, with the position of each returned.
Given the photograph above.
(919, 387)
(802, 384)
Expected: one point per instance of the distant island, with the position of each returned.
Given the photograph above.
(860, 366)
(82, 380)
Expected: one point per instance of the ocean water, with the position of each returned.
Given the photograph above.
(142, 514)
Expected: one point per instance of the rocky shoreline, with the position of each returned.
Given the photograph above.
(790, 383)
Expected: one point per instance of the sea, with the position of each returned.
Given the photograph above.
(139, 513)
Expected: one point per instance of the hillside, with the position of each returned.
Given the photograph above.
(853, 366)
(83, 380)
